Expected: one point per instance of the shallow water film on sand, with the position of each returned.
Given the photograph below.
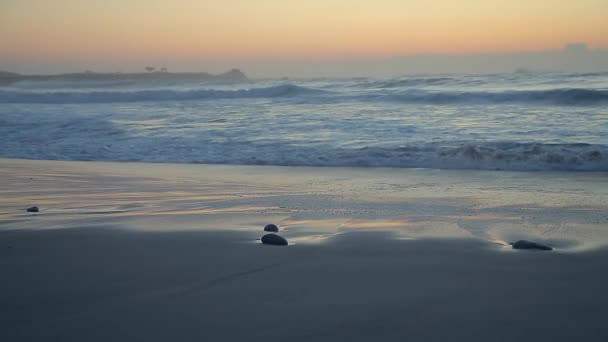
(566, 210)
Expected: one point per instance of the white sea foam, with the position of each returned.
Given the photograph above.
(510, 122)
(392, 91)
(565, 96)
(105, 96)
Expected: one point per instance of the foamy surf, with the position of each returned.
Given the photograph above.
(105, 96)
(507, 122)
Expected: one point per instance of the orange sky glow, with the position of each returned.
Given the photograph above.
(172, 32)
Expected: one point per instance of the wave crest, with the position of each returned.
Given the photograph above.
(472, 155)
(389, 93)
(482, 156)
(10, 96)
(571, 97)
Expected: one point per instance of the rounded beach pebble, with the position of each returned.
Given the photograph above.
(523, 244)
(32, 209)
(274, 239)
(271, 228)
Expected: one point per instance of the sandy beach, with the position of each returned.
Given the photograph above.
(157, 252)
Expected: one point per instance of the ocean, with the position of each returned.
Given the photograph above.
(519, 121)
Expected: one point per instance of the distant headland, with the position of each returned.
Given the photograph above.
(152, 75)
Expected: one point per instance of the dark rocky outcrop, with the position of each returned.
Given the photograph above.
(271, 228)
(232, 76)
(523, 244)
(32, 209)
(274, 239)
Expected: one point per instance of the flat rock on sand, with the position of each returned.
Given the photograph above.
(274, 239)
(523, 244)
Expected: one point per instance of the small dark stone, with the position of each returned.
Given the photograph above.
(32, 209)
(523, 244)
(271, 228)
(274, 239)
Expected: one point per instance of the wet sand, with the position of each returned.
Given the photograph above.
(168, 252)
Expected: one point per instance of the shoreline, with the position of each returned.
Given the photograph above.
(565, 209)
(313, 167)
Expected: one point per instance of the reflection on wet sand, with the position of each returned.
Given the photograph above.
(309, 206)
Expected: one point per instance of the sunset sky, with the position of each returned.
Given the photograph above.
(42, 35)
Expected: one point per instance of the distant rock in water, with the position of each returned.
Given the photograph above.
(32, 209)
(271, 228)
(234, 75)
(274, 239)
(523, 244)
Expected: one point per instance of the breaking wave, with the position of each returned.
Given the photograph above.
(391, 93)
(471, 155)
(411, 82)
(509, 122)
(552, 97)
(482, 156)
(10, 96)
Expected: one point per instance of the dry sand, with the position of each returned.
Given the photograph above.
(140, 252)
